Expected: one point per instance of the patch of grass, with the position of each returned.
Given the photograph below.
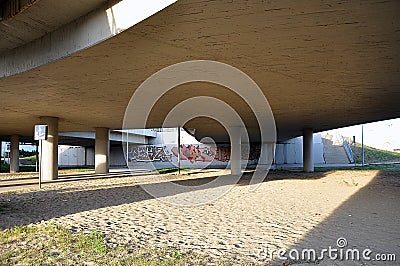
(53, 244)
(31, 158)
(377, 167)
(49, 244)
(5, 168)
(372, 155)
(74, 170)
(93, 240)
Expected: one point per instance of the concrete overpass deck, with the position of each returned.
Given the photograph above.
(321, 65)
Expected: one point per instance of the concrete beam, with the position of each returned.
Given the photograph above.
(102, 150)
(308, 150)
(49, 149)
(86, 31)
(14, 154)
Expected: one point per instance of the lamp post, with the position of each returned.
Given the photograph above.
(362, 144)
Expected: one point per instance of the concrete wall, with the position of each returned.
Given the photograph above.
(90, 156)
(71, 155)
(117, 157)
(291, 151)
(288, 152)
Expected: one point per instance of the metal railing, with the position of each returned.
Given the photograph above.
(349, 151)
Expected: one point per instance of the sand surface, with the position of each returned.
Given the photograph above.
(289, 210)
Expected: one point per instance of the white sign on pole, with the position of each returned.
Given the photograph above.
(40, 132)
(8, 147)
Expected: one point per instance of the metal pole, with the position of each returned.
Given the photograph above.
(37, 156)
(362, 144)
(354, 152)
(127, 148)
(40, 165)
(179, 150)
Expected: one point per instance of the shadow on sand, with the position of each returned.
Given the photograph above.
(369, 219)
(34, 206)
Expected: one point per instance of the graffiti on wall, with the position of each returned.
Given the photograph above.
(223, 153)
(149, 153)
(195, 153)
(189, 152)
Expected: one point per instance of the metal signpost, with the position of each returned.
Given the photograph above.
(37, 157)
(40, 135)
(179, 150)
(362, 144)
(354, 153)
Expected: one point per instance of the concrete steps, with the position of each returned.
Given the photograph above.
(334, 151)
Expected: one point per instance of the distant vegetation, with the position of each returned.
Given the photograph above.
(373, 155)
(5, 168)
(23, 153)
(31, 158)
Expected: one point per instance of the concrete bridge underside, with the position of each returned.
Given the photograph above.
(321, 65)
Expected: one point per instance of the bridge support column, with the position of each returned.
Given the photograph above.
(267, 158)
(102, 150)
(49, 149)
(236, 151)
(14, 154)
(308, 150)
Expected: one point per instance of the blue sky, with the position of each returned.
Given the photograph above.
(383, 135)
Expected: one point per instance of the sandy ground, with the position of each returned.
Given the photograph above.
(289, 210)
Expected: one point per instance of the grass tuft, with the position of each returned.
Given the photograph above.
(54, 244)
